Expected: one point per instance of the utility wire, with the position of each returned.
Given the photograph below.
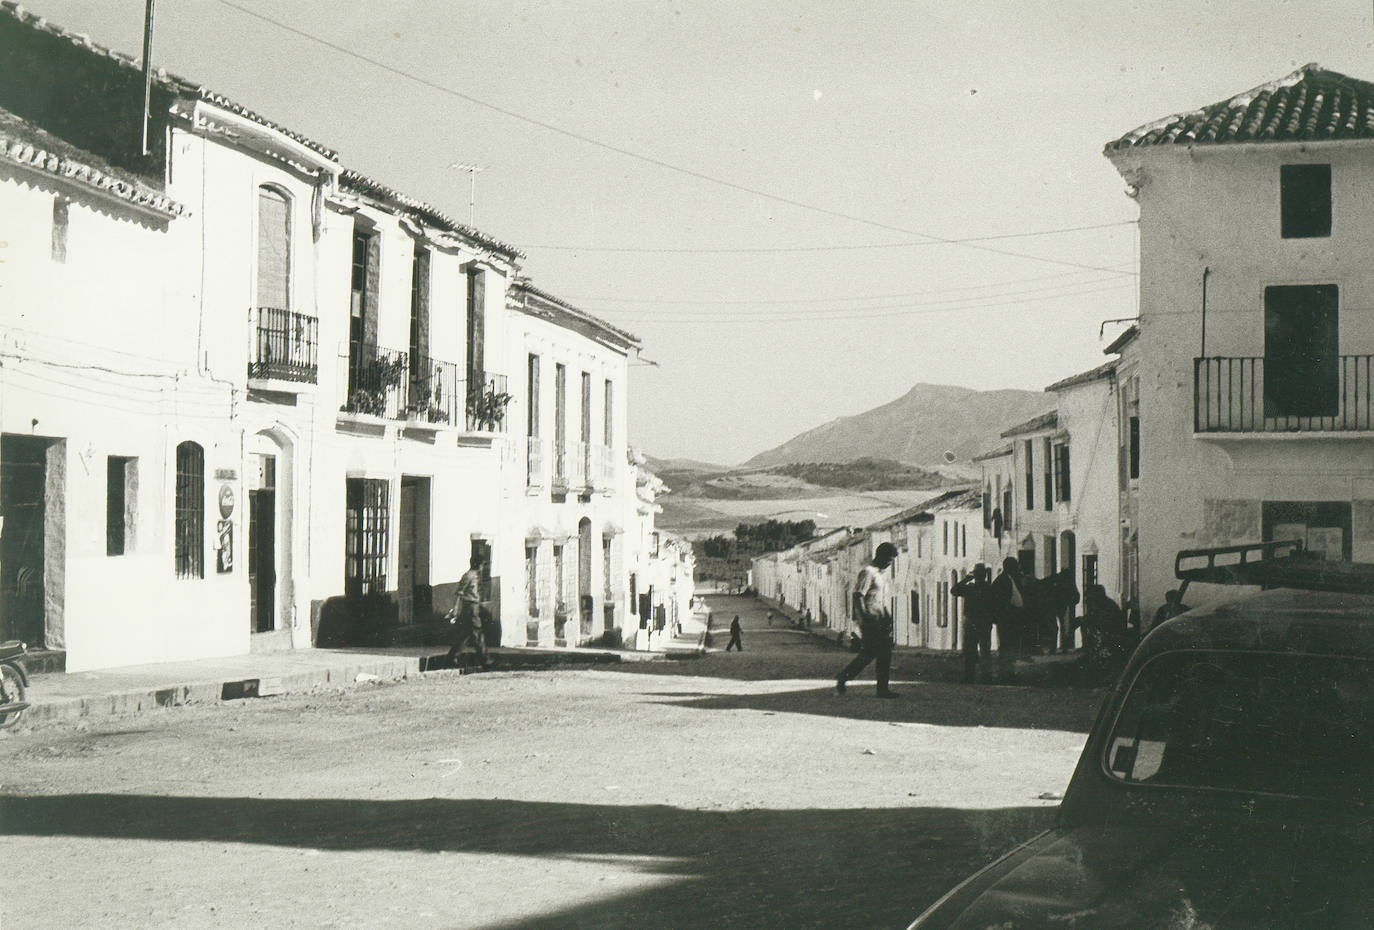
(823, 248)
(647, 159)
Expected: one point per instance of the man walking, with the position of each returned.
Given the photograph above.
(466, 614)
(977, 594)
(735, 631)
(873, 610)
(1008, 615)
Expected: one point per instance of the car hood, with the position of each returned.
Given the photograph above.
(1180, 878)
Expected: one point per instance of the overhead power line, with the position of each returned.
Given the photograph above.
(647, 159)
(822, 248)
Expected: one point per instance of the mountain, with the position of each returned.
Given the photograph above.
(658, 466)
(917, 428)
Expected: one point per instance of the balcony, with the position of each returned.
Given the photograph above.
(601, 469)
(396, 385)
(285, 346)
(487, 399)
(560, 467)
(1230, 396)
(535, 462)
(580, 454)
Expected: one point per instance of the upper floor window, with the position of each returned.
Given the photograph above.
(274, 248)
(1061, 471)
(1305, 201)
(532, 391)
(1047, 461)
(1302, 376)
(1027, 448)
(608, 426)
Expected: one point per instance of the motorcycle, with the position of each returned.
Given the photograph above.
(13, 682)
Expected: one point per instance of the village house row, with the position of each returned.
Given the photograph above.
(254, 400)
(1237, 408)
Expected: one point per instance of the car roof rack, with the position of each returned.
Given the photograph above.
(1278, 564)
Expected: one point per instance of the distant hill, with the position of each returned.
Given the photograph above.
(658, 466)
(917, 428)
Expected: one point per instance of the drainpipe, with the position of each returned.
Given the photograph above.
(1205, 272)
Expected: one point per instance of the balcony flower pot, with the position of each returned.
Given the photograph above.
(532, 632)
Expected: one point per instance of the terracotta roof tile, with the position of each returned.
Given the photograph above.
(1048, 420)
(1101, 371)
(358, 183)
(23, 143)
(1309, 105)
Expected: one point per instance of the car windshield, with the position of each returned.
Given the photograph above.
(1285, 724)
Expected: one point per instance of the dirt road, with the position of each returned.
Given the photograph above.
(733, 791)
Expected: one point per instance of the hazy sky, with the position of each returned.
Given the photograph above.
(758, 189)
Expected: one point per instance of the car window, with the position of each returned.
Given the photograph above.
(1254, 722)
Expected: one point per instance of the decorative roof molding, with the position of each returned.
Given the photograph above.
(389, 198)
(27, 146)
(1046, 421)
(1309, 105)
(527, 298)
(1100, 373)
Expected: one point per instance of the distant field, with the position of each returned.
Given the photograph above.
(697, 517)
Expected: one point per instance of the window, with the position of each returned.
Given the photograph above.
(1047, 465)
(1030, 475)
(634, 593)
(560, 408)
(366, 535)
(1305, 201)
(1089, 571)
(944, 529)
(422, 376)
(1323, 526)
(121, 491)
(559, 581)
(274, 249)
(362, 320)
(477, 317)
(915, 606)
(1047, 544)
(1061, 472)
(532, 579)
(1253, 722)
(1134, 449)
(963, 540)
(606, 555)
(59, 229)
(586, 432)
(608, 427)
(532, 392)
(1301, 360)
(987, 506)
(190, 511)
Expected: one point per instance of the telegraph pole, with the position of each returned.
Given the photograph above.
(147, 70)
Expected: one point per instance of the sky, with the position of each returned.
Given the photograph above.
(764, 191)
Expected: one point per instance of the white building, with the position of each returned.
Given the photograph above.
(251, 399)
(1253, 357)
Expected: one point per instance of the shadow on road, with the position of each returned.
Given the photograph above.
(937, 703)
(747, 868)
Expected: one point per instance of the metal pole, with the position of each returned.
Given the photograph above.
(1205, 272)
(147, 70)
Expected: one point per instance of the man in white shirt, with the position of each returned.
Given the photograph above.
(873, 609)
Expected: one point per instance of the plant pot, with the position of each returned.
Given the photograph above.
(532, 632)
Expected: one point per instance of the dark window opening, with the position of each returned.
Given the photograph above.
(1305, 201)
(1061, 472)
(1134, 451)
(190, 511)
(366, 532)
(1030, 475)
(120, 493)
(1301, 354)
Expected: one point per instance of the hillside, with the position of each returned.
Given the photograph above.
(917, 428)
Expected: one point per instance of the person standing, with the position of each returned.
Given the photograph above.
(466, 614)
(976, 591)
(735, 632)
(1173, 606)
(873, 610)
(1008, 605)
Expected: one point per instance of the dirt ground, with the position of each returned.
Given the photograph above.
(737, 790)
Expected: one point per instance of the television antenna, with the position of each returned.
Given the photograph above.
(473, 171)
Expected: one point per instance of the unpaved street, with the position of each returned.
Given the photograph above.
(731, 791)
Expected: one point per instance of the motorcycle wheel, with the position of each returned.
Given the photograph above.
(11, 690)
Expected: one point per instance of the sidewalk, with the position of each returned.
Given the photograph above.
(136, 688)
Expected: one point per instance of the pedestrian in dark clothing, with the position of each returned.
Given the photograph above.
(466, 615)
(1173, 606)
(873, 610)
(1008, 603)
(1107, 639)
(976, 591)
(735, 631)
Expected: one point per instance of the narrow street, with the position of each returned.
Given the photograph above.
(734, 790)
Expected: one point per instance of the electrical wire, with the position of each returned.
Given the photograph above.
(822, 248)
(637, 156)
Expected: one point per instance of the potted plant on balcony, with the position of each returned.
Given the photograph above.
(487, 406)
(374, 379)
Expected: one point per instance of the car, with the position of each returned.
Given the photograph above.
(1228, 782)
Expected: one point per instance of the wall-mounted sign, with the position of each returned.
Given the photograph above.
(226, 500)
(224, 546)
(226, 474)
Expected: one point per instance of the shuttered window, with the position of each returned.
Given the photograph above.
(190, 511)
(274, 249)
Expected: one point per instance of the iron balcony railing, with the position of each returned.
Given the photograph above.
(1230, 396)
(560, 465)
(537, 453)
(578, 455)
(285, 347)
(487, 399)
(399, 385)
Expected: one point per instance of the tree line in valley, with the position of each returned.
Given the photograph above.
(751, 539)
